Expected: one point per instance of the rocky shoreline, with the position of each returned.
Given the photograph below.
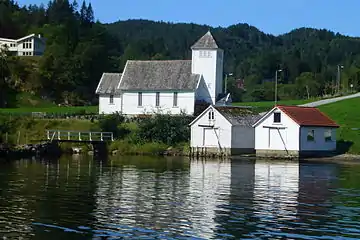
(49, 149)
(28, 150)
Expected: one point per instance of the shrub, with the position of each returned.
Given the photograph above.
(114, 123)
(125, 147)
(165, 128)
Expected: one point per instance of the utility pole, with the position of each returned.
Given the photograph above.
(276, 80)
(226, 78)
(339, 67)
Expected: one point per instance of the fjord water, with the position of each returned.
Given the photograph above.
(177, 198)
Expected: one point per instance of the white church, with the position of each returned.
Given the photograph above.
(147, 87)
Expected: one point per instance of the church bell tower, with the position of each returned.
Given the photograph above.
(207, 60)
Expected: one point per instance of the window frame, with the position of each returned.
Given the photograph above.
(275, 119)
(310, 137)
(211, 115)
(111, 99)
(157, 99)
(328, 138)
(140, 99)
(175, 99)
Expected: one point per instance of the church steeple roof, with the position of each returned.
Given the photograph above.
(206, 42)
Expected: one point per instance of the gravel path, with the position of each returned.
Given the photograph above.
(325, 101)
(330, 100)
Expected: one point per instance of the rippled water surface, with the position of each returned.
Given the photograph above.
(155, 198)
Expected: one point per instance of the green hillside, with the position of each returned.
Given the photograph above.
(346, 114)
(79, 49)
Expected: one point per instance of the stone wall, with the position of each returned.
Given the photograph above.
(293, 154)
(277, 154)
(218, 152)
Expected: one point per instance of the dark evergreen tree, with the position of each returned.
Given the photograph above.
(79, 50)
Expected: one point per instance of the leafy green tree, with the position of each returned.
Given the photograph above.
(165, 128)
(114, 123)
(79, 50)
(306, 85)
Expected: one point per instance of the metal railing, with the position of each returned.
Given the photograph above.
(65, 135)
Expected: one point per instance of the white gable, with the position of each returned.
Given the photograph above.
(270, 114)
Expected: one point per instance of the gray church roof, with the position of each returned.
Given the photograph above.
(206, 42)
(242, 116)
(159, 75)
(108, 83)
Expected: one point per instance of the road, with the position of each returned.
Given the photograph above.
(330, 100)
(325, 101)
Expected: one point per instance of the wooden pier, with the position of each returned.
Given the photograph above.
(79, 136)
(98, 140)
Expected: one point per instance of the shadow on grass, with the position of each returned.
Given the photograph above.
(343, 146)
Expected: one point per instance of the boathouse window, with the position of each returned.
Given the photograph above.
(277, 117)
(175, 100)
(111, 99)
(140, 99)
(327, 135)
(211, 115)
(157, 102)
(311, 136)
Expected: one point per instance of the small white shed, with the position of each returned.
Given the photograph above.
(223, 129)
(294, 131)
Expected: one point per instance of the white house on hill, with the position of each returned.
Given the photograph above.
(223, 129)
(31, 45)
(172, 87)
(294, 131)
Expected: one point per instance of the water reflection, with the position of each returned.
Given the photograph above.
(135, 197)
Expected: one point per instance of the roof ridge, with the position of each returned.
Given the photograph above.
(298, 119)
(207, 41)
(294, 106)
(176, 60)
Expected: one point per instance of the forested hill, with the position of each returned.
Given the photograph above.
(309, 57)
(80, 49)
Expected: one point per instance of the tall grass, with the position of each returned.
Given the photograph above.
(346, 114)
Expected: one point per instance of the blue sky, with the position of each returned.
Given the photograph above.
(270, 16)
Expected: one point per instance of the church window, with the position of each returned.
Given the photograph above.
(140, 99)
(175, 100)
(157, 101)
(111, 99)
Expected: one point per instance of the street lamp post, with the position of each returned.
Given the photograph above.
(276, 79)
(339, 67)
(226, 77)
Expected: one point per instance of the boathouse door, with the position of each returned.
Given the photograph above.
(277, 139)
(210, 137)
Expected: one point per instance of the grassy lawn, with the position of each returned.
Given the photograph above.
(346, 114)
(28, 103)
(55, 109)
